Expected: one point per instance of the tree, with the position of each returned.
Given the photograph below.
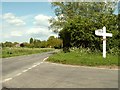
(51, 41)
(31, 40)
(65, 35)
(8, 44)
(36, 43)
(43, 44)
(68, 10)
(80, 20)
(54, 42)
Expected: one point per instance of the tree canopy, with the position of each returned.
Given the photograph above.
(77, 21)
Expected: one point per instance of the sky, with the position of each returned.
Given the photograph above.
(23, 20)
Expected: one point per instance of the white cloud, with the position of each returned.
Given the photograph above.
(5, 35)
(39, 32)
(42, 20)
(16, 33)
(12, 34)
(25, 33)
(33, 31)
(12, 19)
(38, 29)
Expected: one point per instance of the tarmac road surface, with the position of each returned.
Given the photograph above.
(33, 71)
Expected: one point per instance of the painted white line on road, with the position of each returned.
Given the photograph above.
(35, 64)
(25, 70)
(80, 66)
(18, 74)
(38, 63)
(7, 79)
(45, 59)
(29, 68)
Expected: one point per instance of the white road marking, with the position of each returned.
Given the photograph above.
(7, 79)
(18, 74)
(25, 70)
(80, 66)
(35, 64)
(29, 68)
(45, 59)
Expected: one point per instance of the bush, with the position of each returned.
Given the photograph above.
(114, 51)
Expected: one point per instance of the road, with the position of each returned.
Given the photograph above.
(33, 71)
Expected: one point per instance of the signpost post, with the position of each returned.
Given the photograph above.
(102, 32)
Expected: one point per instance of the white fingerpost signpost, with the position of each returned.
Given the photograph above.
(102, 32)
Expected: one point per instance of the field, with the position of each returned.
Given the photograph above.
(84, 58)
(10, 52)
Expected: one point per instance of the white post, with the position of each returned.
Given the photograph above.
(102, 32)
(104, 42)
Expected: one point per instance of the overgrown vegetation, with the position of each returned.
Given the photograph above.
(84, 57)
(77, 21)
(76, 24)
(10, 52)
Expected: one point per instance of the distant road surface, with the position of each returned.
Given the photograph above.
(32, 71)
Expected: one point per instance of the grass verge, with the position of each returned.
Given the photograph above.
(10, 52)
(84, 59)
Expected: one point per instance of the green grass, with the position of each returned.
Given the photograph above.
(80, 57)
(10, 52)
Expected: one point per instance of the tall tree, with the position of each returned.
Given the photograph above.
(31, 40)
(89, 16)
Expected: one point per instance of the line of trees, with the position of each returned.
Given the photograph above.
(52, 42)
(77, 21)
